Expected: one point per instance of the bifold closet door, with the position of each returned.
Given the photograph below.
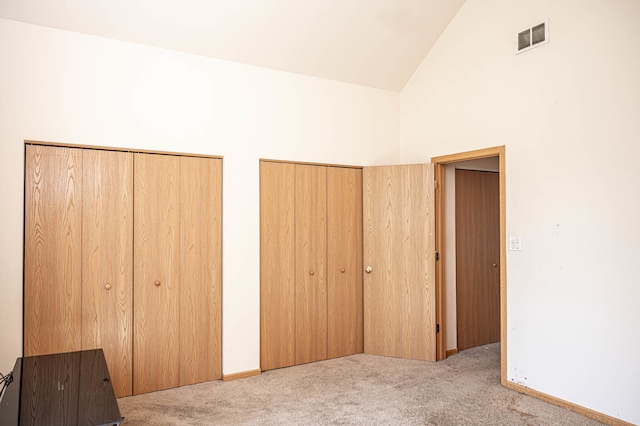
(177, 271)
(311, 263)
(344, 262)
(156, 273)
(104, 226)
(277, 265)
(107, 261)
(52, 256)
(200, 257)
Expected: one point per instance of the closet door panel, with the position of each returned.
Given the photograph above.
(53, 258)
(399, 246)
(107, 261)
(344, 262)
(156, 272)
(200, 269)
(311, 249)
(277, 265)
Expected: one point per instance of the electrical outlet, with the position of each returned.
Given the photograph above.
(515, 244)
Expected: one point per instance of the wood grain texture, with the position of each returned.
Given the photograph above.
(277, 265)
(52, 260)
(451, 352)
(97, 403)
(399, 245)
(500, 152)
(50, 389)
(470, 155)
(120, 149)
(503, 266)
(107, 261)
(157, 252)
(307, 163)
(200, 269)
(241, 375)
(477, 258)
(311, 264)
(344, 262)
(441, 343)
(71, 388)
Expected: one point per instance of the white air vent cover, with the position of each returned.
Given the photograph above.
(531, 37)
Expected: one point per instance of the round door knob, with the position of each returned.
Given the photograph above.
(311, 272)
(495, 265)
(342, 270)
(157, 283)
(107, 286)
(368, 269)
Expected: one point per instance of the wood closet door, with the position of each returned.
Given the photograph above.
(107, 261)
(156, 272)
(344, 262)
(200, 269)
(311, 264)
(52, 257)
(399, 247)
(277, 265)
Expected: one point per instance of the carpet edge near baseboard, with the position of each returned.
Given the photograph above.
(596, 415)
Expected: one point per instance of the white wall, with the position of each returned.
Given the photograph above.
(66, 87)
(569, 115)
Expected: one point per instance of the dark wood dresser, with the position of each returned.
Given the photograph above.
(72, 388)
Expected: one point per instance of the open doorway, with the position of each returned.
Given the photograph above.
(493, 159)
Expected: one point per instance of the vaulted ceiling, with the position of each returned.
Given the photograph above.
(377, 43)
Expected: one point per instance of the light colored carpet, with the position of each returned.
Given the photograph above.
(356, 390)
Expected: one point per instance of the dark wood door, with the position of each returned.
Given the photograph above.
(477, 258)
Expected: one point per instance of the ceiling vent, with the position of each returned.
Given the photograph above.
(531, 37)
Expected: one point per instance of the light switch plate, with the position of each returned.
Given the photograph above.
(515, 244)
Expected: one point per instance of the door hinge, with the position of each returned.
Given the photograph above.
(437, 328)
(437, 256)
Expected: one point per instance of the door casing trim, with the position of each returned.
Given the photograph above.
(439, 163)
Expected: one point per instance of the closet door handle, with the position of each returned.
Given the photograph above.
(368, 269)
